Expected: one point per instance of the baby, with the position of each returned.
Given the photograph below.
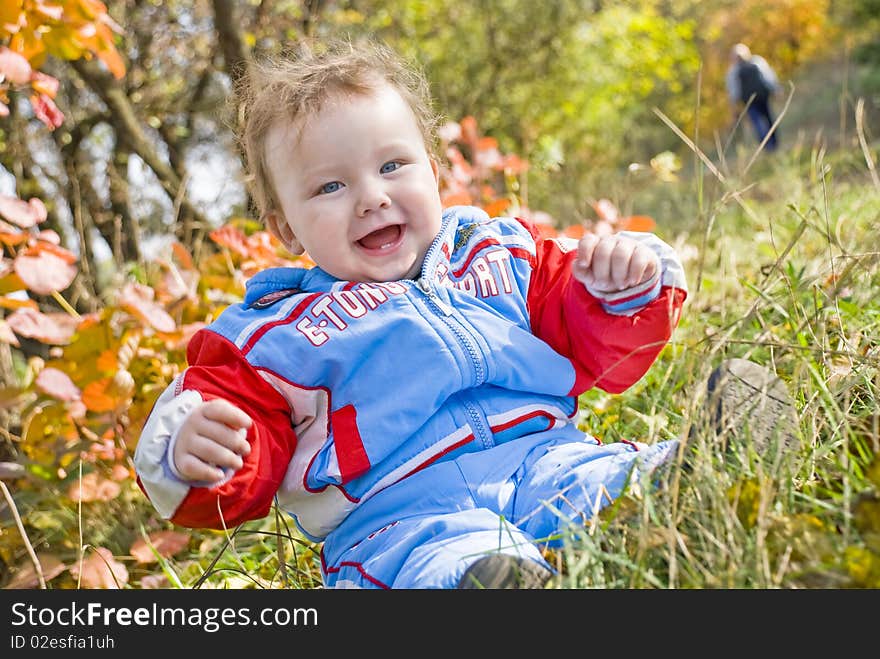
(411, 400)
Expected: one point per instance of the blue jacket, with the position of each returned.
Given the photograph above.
(352, 387)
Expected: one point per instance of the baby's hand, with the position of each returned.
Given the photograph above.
(613, 263)
(213, 438)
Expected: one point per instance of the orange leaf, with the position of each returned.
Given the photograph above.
(469, 133)
(495, 208)
(575, 231)
(166, 543)
(93, 487)
(513, 164)
(638, 223)
(8, 302)
(57, 384)
(9, 281)
(457, 199)
(13, 239)
(44, 84)
(182, 255)
(113, 61)
(100, 570)
(98, 397)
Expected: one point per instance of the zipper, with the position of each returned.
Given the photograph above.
(447, 314)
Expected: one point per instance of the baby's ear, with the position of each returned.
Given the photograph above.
(279, 228)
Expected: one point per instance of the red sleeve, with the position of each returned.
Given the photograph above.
(218, 370)
(608, 351)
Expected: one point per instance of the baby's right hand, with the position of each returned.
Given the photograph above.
(213, 438)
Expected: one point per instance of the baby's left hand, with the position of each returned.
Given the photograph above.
(613, 263)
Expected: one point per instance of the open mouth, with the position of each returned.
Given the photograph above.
(383, 239)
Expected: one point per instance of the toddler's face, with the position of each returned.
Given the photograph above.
(357, 188)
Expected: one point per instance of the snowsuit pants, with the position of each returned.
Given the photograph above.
(514, 498)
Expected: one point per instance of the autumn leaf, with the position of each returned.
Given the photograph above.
(26, 576)
(23, 213)
(6, 334)
(606, 210)
(230, 237)
(93, 487)
(496, 207)
(166, 543)
(55, 328)
(638, 223)
(457, 199)
(109, 394)
(154, 582)
(44, 84)
(100, 570)
(57, 384)
(13, 67)
(137, 299)
(44, 271)
(575, 231)
(46, 111)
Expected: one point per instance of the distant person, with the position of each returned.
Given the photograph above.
(750, 84)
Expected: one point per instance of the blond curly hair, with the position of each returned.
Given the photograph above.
(295, 86)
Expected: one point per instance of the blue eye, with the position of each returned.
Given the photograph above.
(327, 188)
(389, 167)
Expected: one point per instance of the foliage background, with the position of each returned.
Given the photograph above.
(128, 228)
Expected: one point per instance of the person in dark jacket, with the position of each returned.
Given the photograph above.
(751, 83)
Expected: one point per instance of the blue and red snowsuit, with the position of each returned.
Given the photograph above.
(416, 425)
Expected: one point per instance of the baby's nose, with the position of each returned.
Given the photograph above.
(372, 198)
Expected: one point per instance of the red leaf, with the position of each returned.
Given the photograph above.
(166, 543)
(57, 384)
(43, 271)
(100, 570)
(46, 111)
(54, 328)
(23, 213)
(231, 237)
(137, 299)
